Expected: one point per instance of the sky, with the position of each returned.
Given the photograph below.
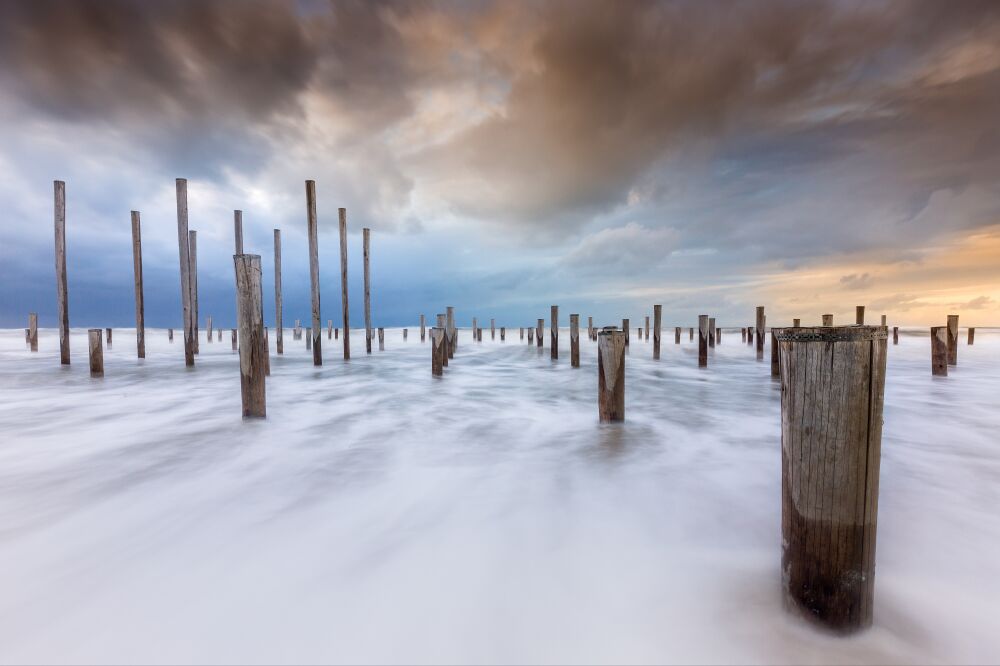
(602, 156)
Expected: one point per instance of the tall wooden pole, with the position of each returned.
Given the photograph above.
(185, 261)
(381, 339)
(279, 342)
(33, 331)
(493, 329)
(193, 258)
(329, 329)
(540, 332)
(253, 348)
(475, 330)
(657, 324)
(366, 247)
(859, 315)
(423, 327)
(590, 327)
(611, 375)
(952, 339)
(437, 351)
(450, 334)
(775, 356)
(574, 340)
(832, 389)
(677, 335)
(238, 231)
(647, 328)
(759, 332)
(96, 352)
(343, 282)
(625, 331)
(711, 331)
(62, 292)
(554, 333)
(140, 321)
(208, 328)
(702, 341)
(690, 333)
(442, 324)
(316, 331)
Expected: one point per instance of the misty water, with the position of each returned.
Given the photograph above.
(380, 514)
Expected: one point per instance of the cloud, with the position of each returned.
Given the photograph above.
(630, 249)
(855, 281)
(978, 303)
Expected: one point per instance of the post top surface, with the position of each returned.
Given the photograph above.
(851, 333)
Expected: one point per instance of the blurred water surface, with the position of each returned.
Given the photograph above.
(383, 515)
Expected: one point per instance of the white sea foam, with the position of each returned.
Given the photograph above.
(382, 515)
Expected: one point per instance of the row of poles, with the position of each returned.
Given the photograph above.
(832, 390)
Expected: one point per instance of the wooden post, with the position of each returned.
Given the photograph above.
(775, 363)
(657, 323)
(404, 334)
(220, 335)
(297, 331)
(170, 334)
(140, 310)
(253, 350)
(438, 355)
(883, 320)
(343, 281)
(796, 323)
(96, 352)
(185, 261)
(336, 333)
(503, 333)
(859, 315)
(611, 375)
(531, 335)
(475, 330)
(832, 386)
(972, 334)
(267, 346)
(521, 331)
(108, 331)
(33, 331)
(62, 292)
(711, 332)
(952, 339)
(233, 335)
(677, 335)
(422, 328)
(625, 331)
(718, 336)
(828, 320)
(638, 333)
(702, 341)
(540, 332)
(479, 334)
(450, 333)
(208, 328)
(329, 329)
(381, 339)
(238, 231)
(309, 338)
(193, 258)
(366, 235)
(493, 329)
(647, 328)
(895, 335)
(279, 343)
(939, 351)
(590, 327)
(442, 324)
(316, 330)
(574, 340)
(554, 333)
(690, 333)
(759, 333)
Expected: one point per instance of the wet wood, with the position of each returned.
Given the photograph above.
(554, 333)
(62, 291)
(939, 351)
(832, 386)
(316, 330)
(343, 282)
(252, 344)
(952, 339)
(279, 342)
(759, 332)
(828, 320)
(859, 315)
(366, 239)
(775, 362)
(185, 267)
(140, 308)
(574, 340)
(438, 354)
(96, 352)
(611, 375)
(702, 341)
(33, 331)
(657, 325)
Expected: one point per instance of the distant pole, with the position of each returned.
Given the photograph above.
(574, 340)
(140, 311)
(832, 386)
(952, 339)
(657, 321)
(531, 335)
(316, 330)
(590, 327)
(883, 320)
(62, 292)
(743, 334)
(521, 331)
(493, 329)
(450, 333)
(267, 345)
(437, 351)
(366, 236)
(702, 341)
(503, 333)
(939, 351)
(297, 331)
(625, 331)
(238, 231)
(193, 258)
(220, 335)
(760, 332)
(718, 335)
(381, 339)
(972, 334)
(475, 330)
(422, 328)
(96, 352)
(647, 328)
(540, 332)
(234, 337)
(253, 348)
(479, 334)
(691, 333)
(278, 326)
(309, 338)
(796, 323)
(329, 329)
(611, 375)
(170, 334)
(554, 333)
(677, 335)
(828, 320)
(185, 260)
(859, 315)
(775, 370)
(208, 328)
(711, 332)
(343, 281)
(895, 335)
(404, 334)
(33, 331)
(442, 323)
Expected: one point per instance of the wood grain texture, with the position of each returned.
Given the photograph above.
(343, 282)
(972, 335)
(96, 352)
(828, 320)
(33, 331)
(832, 386)
(859, 315)
(939, 351)
(952, 339)
(657, 325)
(574, 340)
(140, 307)
(185, 267)
(611, 375)
(253, 350)
(366, 250)
(62, 290)
(438, 355)
(316, 330)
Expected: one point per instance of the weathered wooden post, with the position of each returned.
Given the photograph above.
(828, 320)
(309, 338)
(441, 323)
(185, 266)
(316, 330)
(972, 334)
(647, 328)
(253, 350)
(193, 258)
(895, 335)
(952, 339)
(711, 332)
(883, 320)
(531, 335)
(140, 310)
(336, 333)
(611, 375)
(677, 335)
(743, 334)
(503, 333)
(702, 341)
(33, 331)
(220, 335)
(62, 292)
(96, 352)
(521, 331)
(750, 335)
(208, 328)
(170, 334)
(233, 335)
(796, 323)
(574, 340)
(540, 332)
(479, 334)
(329, 329)
(237, 232)
(279, 344)
(450, 333)
(775, 363)
(423, 329)
(859, 315)
(267, 345)
(297, 331)
(718, 336)
(657, 324)
(832, 385)
(690, 333)
(939, 351)
(438, 354)
(590, 327)
(759, 333)
(108, 331)
(381, 339)
(404, 334)
(475, 330)
(366, 235)
(638, 333)
(343, 282)
(493, 329)
(625, 331)
(554, 333)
